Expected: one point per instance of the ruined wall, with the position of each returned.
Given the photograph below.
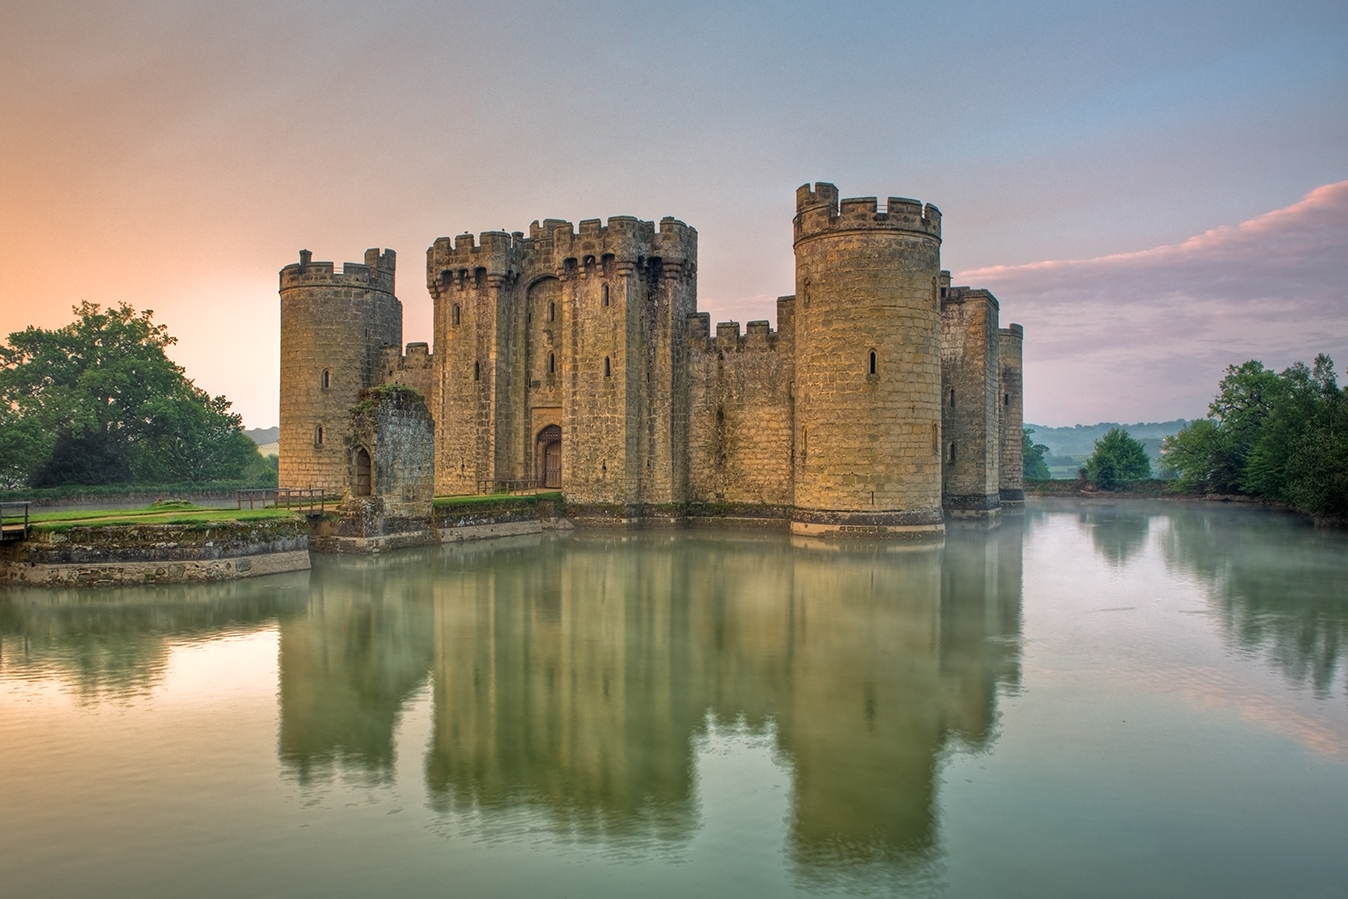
(970, 426)
(1010, 343)
(333, 328)
(739, 444)
(415, 369)
(867, 437)
(392, 426)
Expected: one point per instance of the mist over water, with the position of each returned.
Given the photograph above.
(1096, 698)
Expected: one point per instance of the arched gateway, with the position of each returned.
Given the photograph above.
(549, 456)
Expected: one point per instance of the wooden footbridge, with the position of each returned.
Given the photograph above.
(14, 521)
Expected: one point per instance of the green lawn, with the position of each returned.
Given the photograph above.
(447, 502)
(54, 521)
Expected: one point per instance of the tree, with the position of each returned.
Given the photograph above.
(1036, 469)
(98, 402)
(1275, 436)
(1117, 458)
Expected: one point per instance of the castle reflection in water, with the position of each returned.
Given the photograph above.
(574, 676)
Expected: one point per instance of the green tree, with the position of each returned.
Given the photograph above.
(1117, 458)
(1036, 468)
(98, 402)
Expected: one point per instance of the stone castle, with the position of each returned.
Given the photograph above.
(576, 359)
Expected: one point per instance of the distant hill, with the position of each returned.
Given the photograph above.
(262, 436)
(1068, 448)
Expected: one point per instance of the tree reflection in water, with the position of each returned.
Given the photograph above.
(575, 677)
(1281, 586)
(114, 643)
(1118, 530)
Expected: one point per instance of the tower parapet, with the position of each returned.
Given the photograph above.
(820, 212)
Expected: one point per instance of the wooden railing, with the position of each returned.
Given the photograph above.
(297, 499)
(514, 486)
(14, 520)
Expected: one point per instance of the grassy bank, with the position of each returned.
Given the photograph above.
(177, 514)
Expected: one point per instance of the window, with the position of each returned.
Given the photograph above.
(318, 436)
(952, 397)
(454, 314)
(552, 364)
(608, 369)
(477, 371)
(552, 312)
(603, 295)
(872, 370)
(1006, 399)
(952, 452)
(326, 379)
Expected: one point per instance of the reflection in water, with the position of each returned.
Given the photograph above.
(1118, 530)
(575, 676)
(1280, 585)
(114, 643)
(348, 666)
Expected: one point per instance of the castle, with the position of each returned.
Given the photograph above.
(886, 400)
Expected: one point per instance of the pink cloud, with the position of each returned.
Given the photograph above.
(1146, 335)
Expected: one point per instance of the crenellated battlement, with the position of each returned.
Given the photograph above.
(558, 246)
(375, 273)
(417, 358)
(819, 211)
(958, 295)
(759, 336)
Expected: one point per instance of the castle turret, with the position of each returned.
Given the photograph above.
(868, 366)
(1010, 342)
(333, 328)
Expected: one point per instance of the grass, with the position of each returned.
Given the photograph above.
(60, 521)
(451, 502)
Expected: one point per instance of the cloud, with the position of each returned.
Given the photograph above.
(1145, 335)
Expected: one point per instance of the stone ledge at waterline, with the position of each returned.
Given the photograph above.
(452, 520)
(156, 553)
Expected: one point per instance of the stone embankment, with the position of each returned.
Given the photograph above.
(134, 554)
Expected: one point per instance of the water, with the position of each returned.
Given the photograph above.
(1104, 700)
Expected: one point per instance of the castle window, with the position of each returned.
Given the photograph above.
(552, 364)
(952, 397)
(552, 312)
(872, 369)
(952, 452)
(326, 379)
(477, 371)
(318, 436)
(608, 369)
(454, 314)
(1006, 399)
(603, 295)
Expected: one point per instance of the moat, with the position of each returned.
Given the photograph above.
(1095, 698)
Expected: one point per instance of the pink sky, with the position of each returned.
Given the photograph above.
(175, 154)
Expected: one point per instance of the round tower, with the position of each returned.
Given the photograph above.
(868, 366)
(333, 325)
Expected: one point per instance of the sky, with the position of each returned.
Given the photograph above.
(1154, 190)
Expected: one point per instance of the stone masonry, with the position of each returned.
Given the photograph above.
(575, 358)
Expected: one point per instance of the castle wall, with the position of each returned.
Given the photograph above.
(867, 442)
(969, 402)
(335, 323)
(415, 369)
(739, 444)
(1010, 342)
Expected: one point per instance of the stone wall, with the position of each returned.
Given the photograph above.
(969, 402)
(739, 445)
(334, 326)
(155, 554)
(1010, 342)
